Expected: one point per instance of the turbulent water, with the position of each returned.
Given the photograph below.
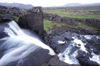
(74, 48)
(17, 45)
(22, 47)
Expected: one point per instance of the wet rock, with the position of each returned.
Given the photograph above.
(94, 44)
(68, 39)
(54, 61)
(82, 57)
(6, 18)
(86, 62)
(96, 51)
(21, 51)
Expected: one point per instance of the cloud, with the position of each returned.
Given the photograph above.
(50, 2)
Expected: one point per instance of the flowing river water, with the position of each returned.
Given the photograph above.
(73, 48)
(21, 47)
(16, 44)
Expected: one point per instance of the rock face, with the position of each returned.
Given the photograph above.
(5, 18)
(56, 18)
(54, 61)
(33, 21)
(14, 11)
(22, 6)
(72, 21)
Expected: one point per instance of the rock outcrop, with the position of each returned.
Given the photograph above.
(72, 21)
(33, 21)
(14, 11)
(56, 18)
(5, 18)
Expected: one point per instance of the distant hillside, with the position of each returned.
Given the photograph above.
(81, 5)
(24, 6)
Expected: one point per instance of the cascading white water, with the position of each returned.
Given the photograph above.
(70, 59)
(16, 44)
(72, 45)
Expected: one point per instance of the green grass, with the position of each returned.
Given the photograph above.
(47, 25)
(15, 18)
(71, 14)
(1, 15)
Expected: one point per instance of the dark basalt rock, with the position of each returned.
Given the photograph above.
(31, 55)
(33, 21)
(5, 18)
(14, 11)
(56, 18)
(86, 62)
(72, 21)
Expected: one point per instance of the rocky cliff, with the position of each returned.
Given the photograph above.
(33, 20)
(14, 11)
(72, 21)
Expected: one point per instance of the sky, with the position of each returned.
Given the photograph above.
(49, 3)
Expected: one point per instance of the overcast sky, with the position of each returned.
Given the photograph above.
(46, 3)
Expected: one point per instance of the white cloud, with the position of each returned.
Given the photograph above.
(50, 2)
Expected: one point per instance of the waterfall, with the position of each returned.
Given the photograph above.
(22, 47)
(17, 45)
